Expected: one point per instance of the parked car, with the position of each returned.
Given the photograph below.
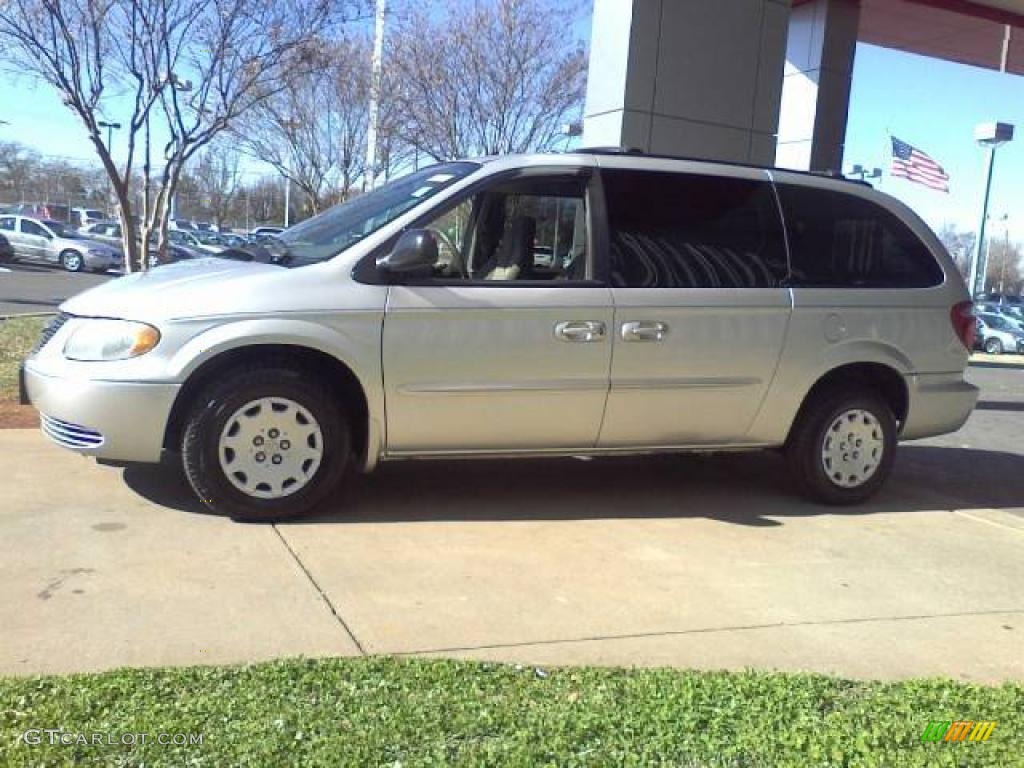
(110, 232)
(1009, 312)
(83, 217)
(261, 231)
(696, 306)
(52, 242)
(44, 211)
(997, 335)
(1001, 298)
(205, 242)
(6, 249)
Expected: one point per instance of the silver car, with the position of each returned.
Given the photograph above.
(51, 242)
(589, 303)
(110, 232)
(997, 334)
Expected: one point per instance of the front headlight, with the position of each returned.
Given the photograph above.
(95, 340)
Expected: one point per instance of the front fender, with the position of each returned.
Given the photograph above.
(352, 339)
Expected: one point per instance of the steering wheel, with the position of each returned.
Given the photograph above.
(457, 262)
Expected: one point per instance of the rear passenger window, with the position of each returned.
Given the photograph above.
(837, 240)
(671, 230)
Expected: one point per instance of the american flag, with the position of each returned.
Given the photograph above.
(914, 165)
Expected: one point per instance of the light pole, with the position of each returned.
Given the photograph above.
(376, 69)
(863, 173)
(111, 127)
(991, 136)
(570, 131)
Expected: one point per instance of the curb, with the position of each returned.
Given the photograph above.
(27, 314)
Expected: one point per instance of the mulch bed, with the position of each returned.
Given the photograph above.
(15, 416)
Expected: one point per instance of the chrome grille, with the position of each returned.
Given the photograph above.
(69, 435)
(48, 332)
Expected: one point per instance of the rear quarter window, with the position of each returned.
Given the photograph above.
(838, 240)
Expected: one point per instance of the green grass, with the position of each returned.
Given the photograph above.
(380, 711)
(17, 336)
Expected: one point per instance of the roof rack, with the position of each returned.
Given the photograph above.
(635, 151)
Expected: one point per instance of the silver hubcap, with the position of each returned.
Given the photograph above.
(853, 447)
(270, 448)
(73, 261)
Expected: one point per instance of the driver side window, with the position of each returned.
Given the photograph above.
(31, 228)
(523, 230)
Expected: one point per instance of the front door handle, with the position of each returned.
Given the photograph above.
(644, 331)
(582, 331)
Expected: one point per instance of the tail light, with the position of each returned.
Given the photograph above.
(964, 324)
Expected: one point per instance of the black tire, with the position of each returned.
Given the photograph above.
(72, 262)
(806, 441)
(210, 413)
(993, 346)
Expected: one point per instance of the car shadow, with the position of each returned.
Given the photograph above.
(751, 489)
(996, 366)
(20, 266)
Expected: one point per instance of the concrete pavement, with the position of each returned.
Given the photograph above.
(703, 562)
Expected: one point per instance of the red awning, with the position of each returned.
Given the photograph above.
(984, 33)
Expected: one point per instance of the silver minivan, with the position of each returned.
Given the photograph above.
(589, 303)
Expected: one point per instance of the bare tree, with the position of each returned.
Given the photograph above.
(960, 246)
(218, 179)
(27, 176)
(313, 131)
(184, 70)
(486, 76)
(1004, 270)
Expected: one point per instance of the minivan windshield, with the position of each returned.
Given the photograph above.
(326, 235)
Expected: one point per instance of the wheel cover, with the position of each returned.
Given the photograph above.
(72, 261)
(853, 447)
(270, 448)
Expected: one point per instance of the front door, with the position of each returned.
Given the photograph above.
(697, 265)
(506, 347)
(34, 241)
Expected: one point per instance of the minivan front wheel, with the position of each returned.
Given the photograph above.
(994, 346)
(265, 444)
(843, 446)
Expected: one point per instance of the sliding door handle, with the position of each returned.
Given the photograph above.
(582, 331)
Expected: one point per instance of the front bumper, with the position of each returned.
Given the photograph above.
(120, 421)
(939, 403)
(104, 261)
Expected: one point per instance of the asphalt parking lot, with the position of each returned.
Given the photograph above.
(694, 561)
(27, 288)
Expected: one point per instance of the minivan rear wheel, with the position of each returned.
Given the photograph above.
(994, 346)
(843, 445)
(265, 444)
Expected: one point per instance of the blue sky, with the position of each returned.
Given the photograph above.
(931, 104)
(935, 105)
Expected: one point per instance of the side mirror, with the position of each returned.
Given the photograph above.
(414, 255)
